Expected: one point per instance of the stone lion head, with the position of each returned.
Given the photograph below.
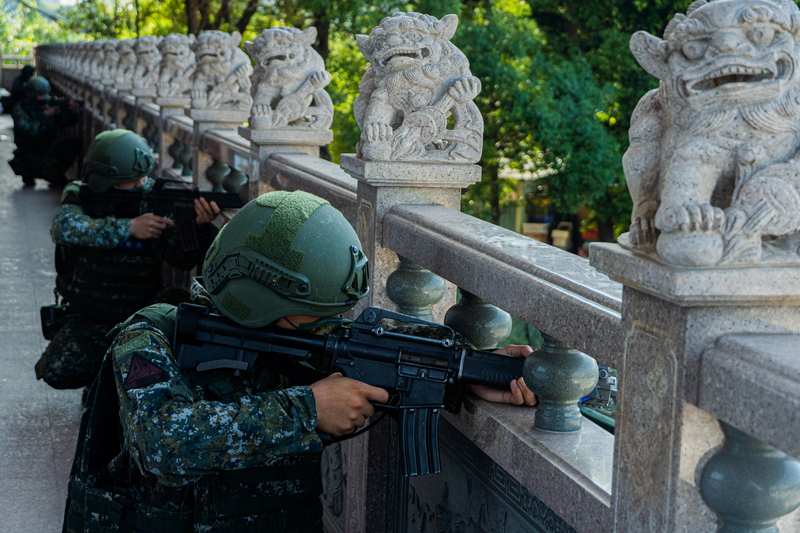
(725, 52)
(175, 49)
(146, 49)
(283, 52)
(215, 51)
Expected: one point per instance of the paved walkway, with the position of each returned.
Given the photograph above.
(38, 424)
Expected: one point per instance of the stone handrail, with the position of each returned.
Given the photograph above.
(667, 330)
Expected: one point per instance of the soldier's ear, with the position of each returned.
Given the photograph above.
(235, 39)
(447, 26)
(651, 53)
(306, 37)
(363, 45)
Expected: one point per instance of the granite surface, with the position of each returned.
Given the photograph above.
(411, 174)
(774, 285)
(571, 473)
(287, 136)
(753, 383)
(552, 290)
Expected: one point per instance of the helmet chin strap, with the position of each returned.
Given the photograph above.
(286, 318)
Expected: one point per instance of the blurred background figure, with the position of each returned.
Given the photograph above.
(41, 152)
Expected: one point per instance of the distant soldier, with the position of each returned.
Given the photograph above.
(40, 152)
(110, 267)
(18, 88)
(219, 449)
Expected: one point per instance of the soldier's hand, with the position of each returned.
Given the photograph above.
(343, 404)
(518, 393)
(149, 226)
(206, 212)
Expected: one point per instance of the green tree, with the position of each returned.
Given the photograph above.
(22, 27)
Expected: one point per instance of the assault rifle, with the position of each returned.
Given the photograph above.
(176, 203)
(414, 369)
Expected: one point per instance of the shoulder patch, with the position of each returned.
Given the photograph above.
(143, 373)
(137, 343)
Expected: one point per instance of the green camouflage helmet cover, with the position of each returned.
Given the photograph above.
(285, 253)
(116, 157)
(35, 86)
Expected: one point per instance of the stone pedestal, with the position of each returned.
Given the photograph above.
(381, 186)
(264, 143)
(206, 120)
(169, 106)
(670, 315)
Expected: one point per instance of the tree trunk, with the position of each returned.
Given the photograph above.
(605, 231)
(494, 193)
(192, 24)
(323, 25)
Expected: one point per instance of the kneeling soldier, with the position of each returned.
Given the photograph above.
(226, 447)
(109, 267)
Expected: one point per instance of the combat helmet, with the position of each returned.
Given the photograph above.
(35, 86)
(116, 157)
(285, 253)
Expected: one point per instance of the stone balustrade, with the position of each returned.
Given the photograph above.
(699, 350)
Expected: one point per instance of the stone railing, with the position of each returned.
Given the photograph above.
(707, 424)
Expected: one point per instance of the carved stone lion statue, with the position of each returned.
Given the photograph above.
(711, 164)
(110, 62)
(126, 65)
(97, 59)
(416, 80)
(177, 65)
(289, 74)
(222, 76)
(147, 61)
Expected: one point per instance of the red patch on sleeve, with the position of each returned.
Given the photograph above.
(143, 373)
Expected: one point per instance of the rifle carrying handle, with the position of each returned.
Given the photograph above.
(490, 369)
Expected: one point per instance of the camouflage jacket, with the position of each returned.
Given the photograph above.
(33, 130)
(182, 427)
(72, 226)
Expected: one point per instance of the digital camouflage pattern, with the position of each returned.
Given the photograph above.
(73, 357)
(72, 226)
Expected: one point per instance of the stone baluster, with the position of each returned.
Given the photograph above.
(174, 152)
(482, 324)
(234, 181)
(749, 484)
(415, 289)
(186, 157)
(216, 174)
(560, 376)
(291, 112)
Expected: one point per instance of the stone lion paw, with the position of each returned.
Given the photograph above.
(320, 79)
(262, 110)
(643, 231)
(464, 89)
(377, 132)
(689, 218)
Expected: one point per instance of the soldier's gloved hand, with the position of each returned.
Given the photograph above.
(149, 226)
(519, 393)
(343, 404)
(206, 212)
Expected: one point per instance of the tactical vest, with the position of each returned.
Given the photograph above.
(108, 284)
(99, 501)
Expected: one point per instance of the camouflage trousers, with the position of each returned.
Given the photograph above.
(73, 358)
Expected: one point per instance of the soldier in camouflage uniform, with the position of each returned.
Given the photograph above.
(41, 152)
(109, 267)
(217, 450)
